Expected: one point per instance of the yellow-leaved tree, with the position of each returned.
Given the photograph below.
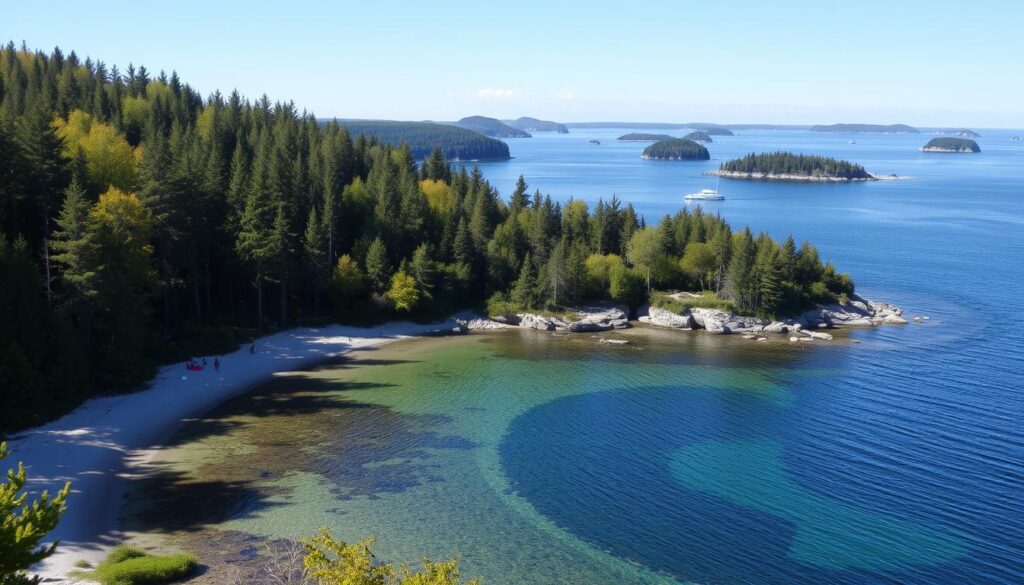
(328, 561)
(110, 161)
(403, 292)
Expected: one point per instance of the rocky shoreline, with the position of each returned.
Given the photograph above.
(751, 176)
(855, 312)
(807, 326)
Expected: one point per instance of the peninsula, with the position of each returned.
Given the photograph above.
(491, 127)
(528, 124)
(643, 137)
(866, 129)
(786, 166)
(675, 149)
(950, 144)
(421, 137)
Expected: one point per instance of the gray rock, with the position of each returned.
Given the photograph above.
(711, 320)
(665, 318)
(539, 322)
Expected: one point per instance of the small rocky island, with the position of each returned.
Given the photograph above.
(949, 144)
(643, 137)
(786, 166)
(698, 136)
(675, 149)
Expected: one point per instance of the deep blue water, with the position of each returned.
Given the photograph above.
(922, 424)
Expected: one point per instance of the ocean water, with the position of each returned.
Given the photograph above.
(890, 455)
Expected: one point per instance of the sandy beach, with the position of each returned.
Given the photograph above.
(99, 445)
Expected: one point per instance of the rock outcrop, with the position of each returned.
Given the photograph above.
(856, 311)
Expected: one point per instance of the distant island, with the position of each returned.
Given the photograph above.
(456, 143)
(965, 133)
(711, 129)
(699, 136)
(866, 128)
(643, 137)
(492, 127)
(675, 149)
(528, 124)
(786, 166)
(593, 141)
(950, 144)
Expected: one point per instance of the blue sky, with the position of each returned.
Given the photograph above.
(815, 61)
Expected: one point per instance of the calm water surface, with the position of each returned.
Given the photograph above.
(684, 457)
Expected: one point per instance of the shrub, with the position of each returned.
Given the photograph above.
(706, 300)
(130, 566)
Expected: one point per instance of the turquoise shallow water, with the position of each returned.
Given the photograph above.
(544, 459)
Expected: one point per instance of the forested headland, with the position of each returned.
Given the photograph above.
(676, 149)
(529, 124)
(422, 137)
(788, 166)
(144, 223)
(491, 127)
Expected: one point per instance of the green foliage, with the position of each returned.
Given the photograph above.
(491, 127)
(130, 566)
(645, 250)
(800, 165)
(676, 149)
(952, 144)
(626, 286)
(329, 561)
(403, 292)
(698, 263)
(24, 523)
(456, 143)
(233, 195)
(705, 300)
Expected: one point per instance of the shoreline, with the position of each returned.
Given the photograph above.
(109, 440)
(100, 445)
(751, 176)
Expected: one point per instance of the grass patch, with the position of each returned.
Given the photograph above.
(130, 566)
(704, 300)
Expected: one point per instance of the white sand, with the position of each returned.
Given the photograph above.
(98, 445)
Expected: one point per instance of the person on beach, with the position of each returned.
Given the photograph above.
(252, 348)
(216, 364)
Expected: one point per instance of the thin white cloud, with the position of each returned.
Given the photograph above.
(496, 93)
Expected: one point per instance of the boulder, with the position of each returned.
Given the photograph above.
(598, 318)
(711, 320)
(588, 326)
(539, 322)
(894, 319)
(665, 318)
(817, 335)
(776, 327)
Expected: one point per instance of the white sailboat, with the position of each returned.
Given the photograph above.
(706, 194)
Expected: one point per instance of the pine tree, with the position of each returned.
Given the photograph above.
(25, 524)
(520, 199)
(378, 268)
